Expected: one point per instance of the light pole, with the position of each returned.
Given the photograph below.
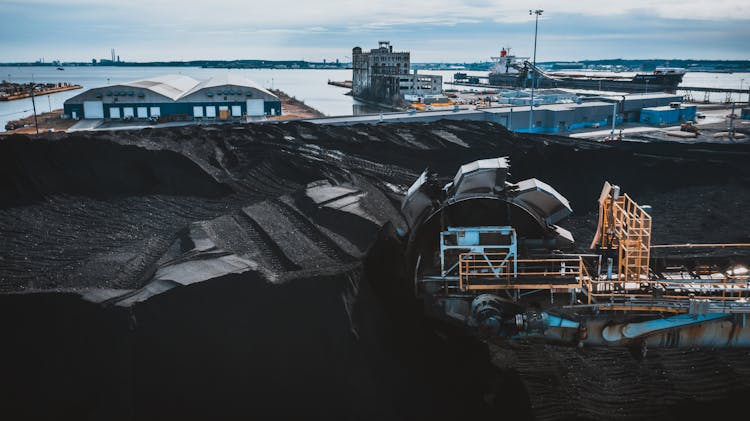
(748, 98)
(33, 103)
(536, 12)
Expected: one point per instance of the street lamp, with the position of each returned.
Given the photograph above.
(33, 103)
(536, 12)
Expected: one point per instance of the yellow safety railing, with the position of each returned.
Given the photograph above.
(488, 271)
(625, 227)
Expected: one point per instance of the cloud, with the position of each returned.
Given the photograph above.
(383, 12)
(436, 29)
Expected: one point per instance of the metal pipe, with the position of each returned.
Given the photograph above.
(721, 334)
(688, 245)
(629, 331)
(686, 330)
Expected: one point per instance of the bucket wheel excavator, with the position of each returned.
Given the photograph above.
(488, 254)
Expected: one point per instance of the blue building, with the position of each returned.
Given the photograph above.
(176, 97)
(672, 114)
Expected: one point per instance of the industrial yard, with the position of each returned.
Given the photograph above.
(10, 91)
(205, 272)
(261, 212)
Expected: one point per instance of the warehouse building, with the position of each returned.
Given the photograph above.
(176, 97)
(595, 112)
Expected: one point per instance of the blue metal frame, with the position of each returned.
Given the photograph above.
(468, 238)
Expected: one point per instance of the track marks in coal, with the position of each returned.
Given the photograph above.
(75, 243)
(311, 231)
(262, 242)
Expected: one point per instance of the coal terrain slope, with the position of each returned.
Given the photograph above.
(258, 272)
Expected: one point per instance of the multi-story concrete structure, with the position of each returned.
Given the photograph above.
(382, 75)
(176, 97)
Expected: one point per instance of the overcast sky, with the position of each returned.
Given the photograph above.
(434, 30)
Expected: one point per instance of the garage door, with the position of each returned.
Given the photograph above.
(198, 111)
(155, 112)
(128, 112)
(236, 110)
(142, 112)
(210, 111)
(255, 107)
(93, 109)
(114, 112)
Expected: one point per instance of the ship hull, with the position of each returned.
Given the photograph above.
(641, 82)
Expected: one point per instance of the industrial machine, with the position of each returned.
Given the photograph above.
(488, 255)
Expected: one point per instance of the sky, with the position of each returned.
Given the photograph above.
(434, 30)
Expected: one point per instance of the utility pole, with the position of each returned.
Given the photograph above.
(536, 12)
(33, 104)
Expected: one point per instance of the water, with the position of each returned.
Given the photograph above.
(307, 85)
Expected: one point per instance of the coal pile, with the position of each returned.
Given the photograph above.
(258, 271)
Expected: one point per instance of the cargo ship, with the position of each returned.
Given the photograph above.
(517, 72)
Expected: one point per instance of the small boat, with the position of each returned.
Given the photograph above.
(60, 68)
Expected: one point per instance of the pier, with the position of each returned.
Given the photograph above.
(341, 84)
(708, 91)
(12, 91)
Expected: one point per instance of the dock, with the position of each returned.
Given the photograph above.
(688, 90)
(341, 84)
(12, 91)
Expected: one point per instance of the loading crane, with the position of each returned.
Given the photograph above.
(487, 254)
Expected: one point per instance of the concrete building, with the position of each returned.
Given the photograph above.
(176, 97)
(382, 75)
(630, 106)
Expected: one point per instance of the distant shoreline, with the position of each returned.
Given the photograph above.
(691, 65)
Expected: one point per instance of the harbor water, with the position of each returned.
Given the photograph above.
(308, 85)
